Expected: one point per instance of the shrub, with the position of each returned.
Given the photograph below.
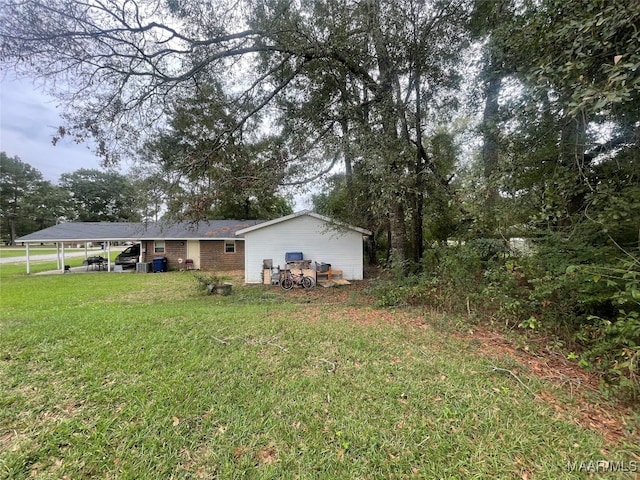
(204, 281)
(582, 294)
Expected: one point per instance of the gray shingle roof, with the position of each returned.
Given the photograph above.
(121, 231)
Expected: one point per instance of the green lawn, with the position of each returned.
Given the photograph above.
(139, 376)
(9, 252)
(10, 270)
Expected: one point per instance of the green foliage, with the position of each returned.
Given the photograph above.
(49, 204)
(484, 249)
(153, 193)
(27, 202)
(585, 293)
(205, 281)
(454, 277)
(219, 172)
(614, 346)
(567, 174)
(100, 196)
(591, 51)
(572, 290)
(408, 291)
(19, 183)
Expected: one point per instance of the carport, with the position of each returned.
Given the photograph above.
(206, 244)
(82, 233)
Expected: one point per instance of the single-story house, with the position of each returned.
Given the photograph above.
(221, 244)
(211, 245)
(319, 239)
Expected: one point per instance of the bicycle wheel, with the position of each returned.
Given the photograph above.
(308, 282)
(287, 283)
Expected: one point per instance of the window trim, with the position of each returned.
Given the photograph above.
(159, 246)
(229, 243)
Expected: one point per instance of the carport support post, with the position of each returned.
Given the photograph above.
(58, 255)
(28, 261)
(62, 267)
(108, 256)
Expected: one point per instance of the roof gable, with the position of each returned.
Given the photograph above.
(330, 221)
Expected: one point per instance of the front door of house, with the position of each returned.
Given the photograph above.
(193, 252)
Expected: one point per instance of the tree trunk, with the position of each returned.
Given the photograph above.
(12, 231)
(348, 159)
(572, 156)
(397, 227)
(398, 234)
(372, 248)
(490, 150)
(418, 209)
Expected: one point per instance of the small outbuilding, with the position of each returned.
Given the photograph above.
(320, 240)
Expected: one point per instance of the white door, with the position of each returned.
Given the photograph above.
(193, 252)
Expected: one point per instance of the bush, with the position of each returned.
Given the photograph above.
(204, 281)
(454, 276)
(401, 292)
(579, 293)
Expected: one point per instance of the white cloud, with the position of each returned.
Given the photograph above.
(28, 122)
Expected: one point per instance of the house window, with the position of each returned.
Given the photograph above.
(158, 246)
(229, 246)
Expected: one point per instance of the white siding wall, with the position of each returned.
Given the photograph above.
(343, 249)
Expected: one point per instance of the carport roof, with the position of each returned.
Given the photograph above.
(123, 231)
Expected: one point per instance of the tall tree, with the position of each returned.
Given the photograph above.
(120, 61)
(577, 65)
(231, 180)
(151, 195)
(48, 205)
(18, 183)
(491, 24)
(98, 196)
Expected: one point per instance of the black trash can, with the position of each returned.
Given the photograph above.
(159, 264)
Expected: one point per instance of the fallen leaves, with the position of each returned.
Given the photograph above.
(605, 419)
(267, 455)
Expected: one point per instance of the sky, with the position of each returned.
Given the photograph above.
(28, 121)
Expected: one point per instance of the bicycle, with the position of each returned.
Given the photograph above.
(291, 279)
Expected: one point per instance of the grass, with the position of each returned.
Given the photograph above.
(11, 270)
(20, 251)
(140, 376)
(10, 252)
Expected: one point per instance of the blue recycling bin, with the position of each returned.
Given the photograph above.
(159, 264)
